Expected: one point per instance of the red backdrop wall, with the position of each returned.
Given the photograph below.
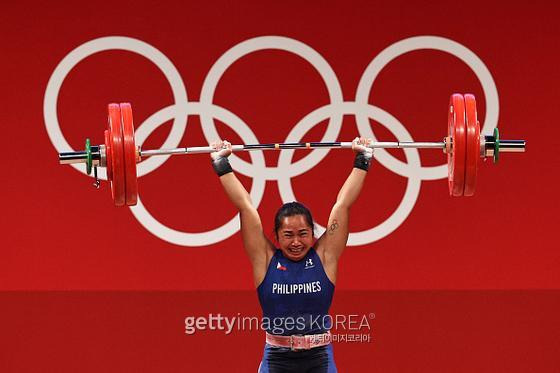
(60, 234)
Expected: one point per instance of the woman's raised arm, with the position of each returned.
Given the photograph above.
(258, 248)
(333, 242)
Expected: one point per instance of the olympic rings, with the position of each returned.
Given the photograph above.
(286, 170)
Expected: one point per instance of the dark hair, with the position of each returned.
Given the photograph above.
(292, 209)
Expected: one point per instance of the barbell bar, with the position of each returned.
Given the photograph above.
(464, 146)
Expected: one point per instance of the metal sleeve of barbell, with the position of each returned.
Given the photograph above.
(79, 156)
(72, 157)
(512, 146)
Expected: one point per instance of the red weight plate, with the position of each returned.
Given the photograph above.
(456, 159)
(131, 181)
(473, 145)
(117, 156)
(108, 157)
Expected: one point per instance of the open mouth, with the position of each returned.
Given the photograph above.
(295, 251)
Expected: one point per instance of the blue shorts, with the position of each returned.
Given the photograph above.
(284, 360)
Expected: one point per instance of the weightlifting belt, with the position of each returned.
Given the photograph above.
(299, 342)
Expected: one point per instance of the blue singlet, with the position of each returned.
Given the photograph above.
(295, 298)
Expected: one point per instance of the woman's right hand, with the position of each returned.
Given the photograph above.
(222, 149)
(360, 145)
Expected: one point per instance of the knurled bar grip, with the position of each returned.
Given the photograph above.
(298, 145)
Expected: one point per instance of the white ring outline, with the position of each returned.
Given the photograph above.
(105, 44)
(231, 227)
(412, 155)
(288, 45)
(417, 43)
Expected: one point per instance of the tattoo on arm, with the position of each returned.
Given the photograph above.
(333, 227)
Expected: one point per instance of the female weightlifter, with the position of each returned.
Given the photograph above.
(295, 282)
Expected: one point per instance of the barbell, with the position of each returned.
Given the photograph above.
(464, 146)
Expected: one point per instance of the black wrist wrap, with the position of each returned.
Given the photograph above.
(362, 162)
(221, 166)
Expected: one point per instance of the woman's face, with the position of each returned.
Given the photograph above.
(295, 237)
